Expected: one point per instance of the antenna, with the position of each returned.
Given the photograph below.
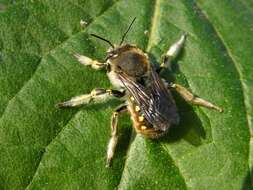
(124, 35)
(101, 38)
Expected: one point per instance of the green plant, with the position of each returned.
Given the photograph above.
(42, 147)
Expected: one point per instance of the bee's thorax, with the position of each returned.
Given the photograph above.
(130, 60)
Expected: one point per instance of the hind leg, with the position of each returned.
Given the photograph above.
(114, 134)
(189, 97)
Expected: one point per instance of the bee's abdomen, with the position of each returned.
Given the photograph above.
(140, 124)
(139, 121)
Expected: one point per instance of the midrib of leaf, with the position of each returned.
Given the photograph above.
(151, 43)
(152, 35)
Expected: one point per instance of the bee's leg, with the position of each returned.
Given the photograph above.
(98, 94)
(114, 136)
(89, 62)
(188, 96)
(172, 53)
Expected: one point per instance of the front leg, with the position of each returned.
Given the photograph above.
(114, 136)
(84, 60)
(188, 96)
(172, 53)
(97, 94)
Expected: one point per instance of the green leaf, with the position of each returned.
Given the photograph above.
(43, 147)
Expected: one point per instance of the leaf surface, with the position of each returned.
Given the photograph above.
(46, 148)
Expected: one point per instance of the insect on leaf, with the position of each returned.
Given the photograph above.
(43, 147)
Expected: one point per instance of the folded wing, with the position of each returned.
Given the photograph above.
(155, 101)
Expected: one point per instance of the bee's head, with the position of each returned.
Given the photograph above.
(126, 58)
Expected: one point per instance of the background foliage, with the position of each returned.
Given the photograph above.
(42, 147)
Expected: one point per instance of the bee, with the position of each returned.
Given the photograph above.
(147, 97)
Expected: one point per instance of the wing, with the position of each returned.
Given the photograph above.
(155, 101)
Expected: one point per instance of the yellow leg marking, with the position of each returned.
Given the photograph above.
(141, 118)
(143, 127)
(137, 108)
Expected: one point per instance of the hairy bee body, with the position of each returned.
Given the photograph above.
(130, 70)
(147, 97)
(140, 124)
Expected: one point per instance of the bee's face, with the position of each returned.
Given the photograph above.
(129, 60)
